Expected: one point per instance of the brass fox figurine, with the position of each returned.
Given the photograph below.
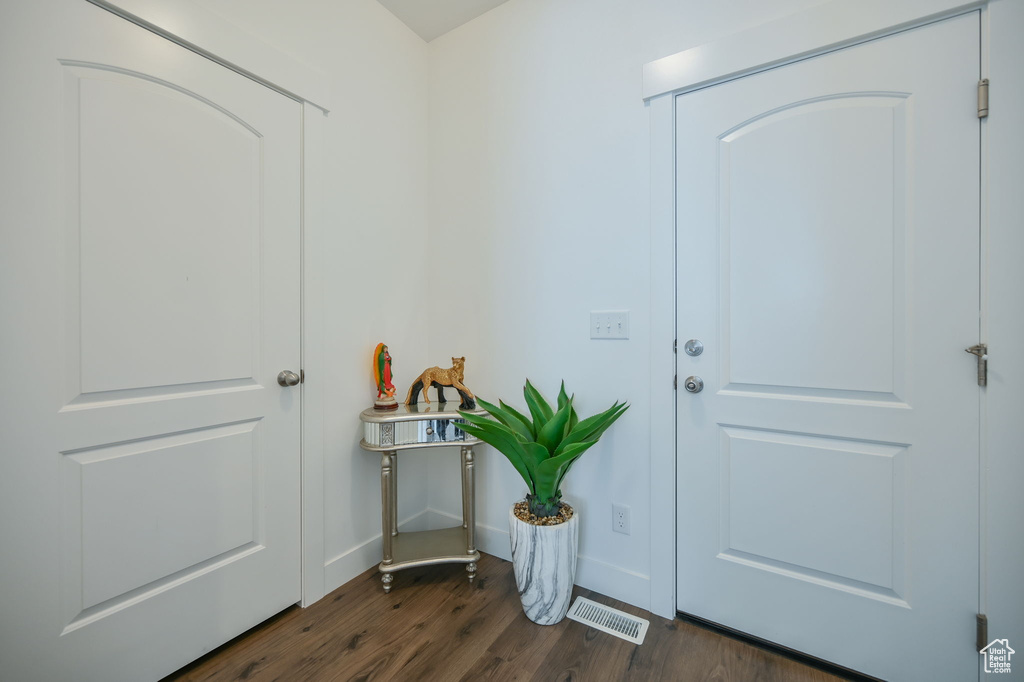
(439, 379)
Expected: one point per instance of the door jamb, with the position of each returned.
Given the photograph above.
(813, 32)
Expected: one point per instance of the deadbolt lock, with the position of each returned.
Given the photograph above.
(693, 348)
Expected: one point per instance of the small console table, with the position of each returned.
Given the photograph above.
(421, 426)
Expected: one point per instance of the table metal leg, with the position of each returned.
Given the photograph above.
(469, 505)
(394, 493)
(387, 506)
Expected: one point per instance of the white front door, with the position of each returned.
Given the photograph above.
(150, 296)
(828, 259)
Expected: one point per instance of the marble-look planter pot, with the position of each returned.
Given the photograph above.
(544, 563)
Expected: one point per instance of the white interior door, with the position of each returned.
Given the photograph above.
(828, 259)
(150, 296)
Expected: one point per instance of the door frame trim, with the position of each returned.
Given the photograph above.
(1002, 214)
(812, 32)
(816, 31)
(205, 33)
(663, 354)
(314, 229)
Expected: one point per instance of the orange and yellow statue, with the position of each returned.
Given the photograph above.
(382, 377)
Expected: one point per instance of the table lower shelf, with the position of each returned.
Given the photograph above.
(427, 547)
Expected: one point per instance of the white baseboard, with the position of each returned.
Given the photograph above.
(613, 581)
(347, 565)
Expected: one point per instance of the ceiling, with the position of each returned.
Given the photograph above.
(433, 18)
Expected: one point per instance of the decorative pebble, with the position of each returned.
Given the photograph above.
(522, 512)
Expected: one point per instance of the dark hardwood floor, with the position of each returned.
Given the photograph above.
(436, 626)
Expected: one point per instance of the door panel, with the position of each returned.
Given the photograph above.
(151, 460)
(824, 230)
(828, 246)
(853, 487)
(126, 501)
(143, 192)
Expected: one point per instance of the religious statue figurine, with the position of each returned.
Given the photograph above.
(382, 377)
(440, 379)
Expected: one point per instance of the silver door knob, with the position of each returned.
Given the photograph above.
(694, 384)
(288, 378)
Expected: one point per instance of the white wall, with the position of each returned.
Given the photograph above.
(512, 175)
(376, 184)
(539, 206)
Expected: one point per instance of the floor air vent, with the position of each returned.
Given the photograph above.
(606, 619)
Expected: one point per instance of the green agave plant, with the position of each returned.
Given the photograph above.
(542, 448)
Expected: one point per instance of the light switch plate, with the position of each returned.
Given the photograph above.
(609, 324)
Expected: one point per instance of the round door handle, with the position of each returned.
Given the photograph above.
(694, 384)
(288, 378)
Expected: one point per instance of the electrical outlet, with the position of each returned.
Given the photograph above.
(620, 518)
(609, 324)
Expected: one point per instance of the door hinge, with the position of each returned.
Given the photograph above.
(983, 98)
(981, 350)
(675, 383)
(982, 635)
(675, 345)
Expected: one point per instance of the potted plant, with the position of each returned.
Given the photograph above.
(543, 529)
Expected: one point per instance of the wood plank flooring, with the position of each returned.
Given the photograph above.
(436, 626)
